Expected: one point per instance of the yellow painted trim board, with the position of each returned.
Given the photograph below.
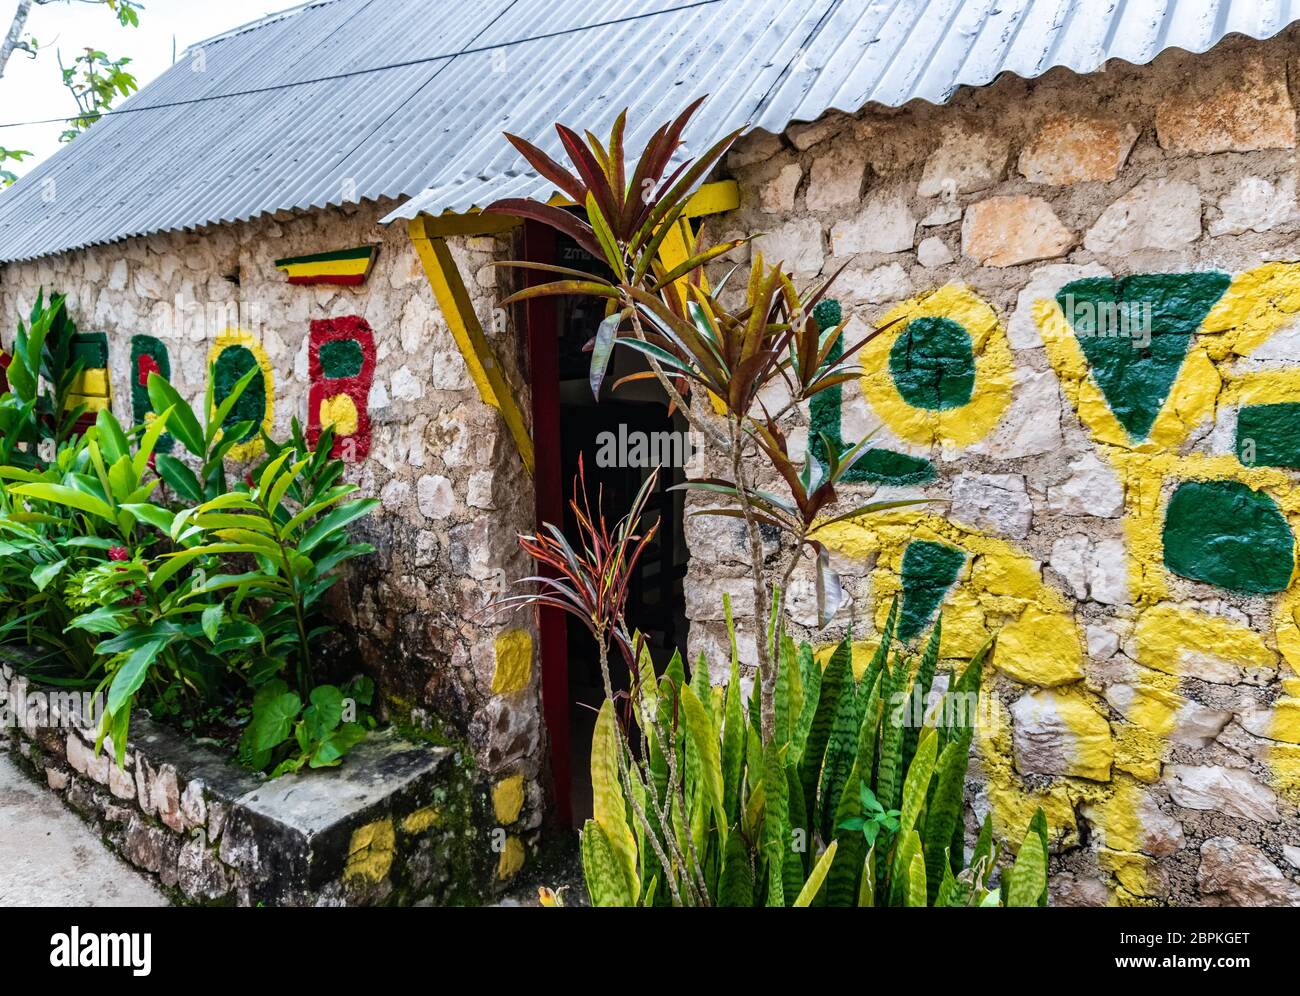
(712, 198)
(484, 368)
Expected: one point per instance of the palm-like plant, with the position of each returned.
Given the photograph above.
(691, 340)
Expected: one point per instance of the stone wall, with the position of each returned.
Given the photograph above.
(454, 492)
(1120, 512)
(403, 822)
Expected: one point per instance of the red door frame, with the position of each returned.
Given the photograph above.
(548, 487)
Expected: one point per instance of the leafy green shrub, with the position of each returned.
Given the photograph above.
(851, 804)
(284, 733)
(195, 607)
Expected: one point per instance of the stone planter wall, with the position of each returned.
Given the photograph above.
(398, 822)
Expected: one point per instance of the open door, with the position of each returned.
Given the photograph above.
(621, 439)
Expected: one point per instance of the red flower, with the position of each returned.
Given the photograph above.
(118, 553)
(248, 478)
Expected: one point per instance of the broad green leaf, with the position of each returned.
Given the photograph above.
(181, 423)
(59, 494)
(814, 883)
(705, 738)
(608, 804)
(212, 617)
(46, 573)
(130, 676)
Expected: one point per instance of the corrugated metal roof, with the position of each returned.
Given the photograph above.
(372, 99)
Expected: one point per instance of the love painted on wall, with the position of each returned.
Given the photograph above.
(1203, 445)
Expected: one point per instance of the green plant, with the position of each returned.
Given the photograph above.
(288, 735)
(785, 823)
(204, 439)
(690, 339)
(36, 416)
(874, 817)
(94, 80)
(197, 605)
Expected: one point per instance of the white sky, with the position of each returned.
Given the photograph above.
(31, 89)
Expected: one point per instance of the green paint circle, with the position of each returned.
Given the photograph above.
(933, 364)
(341, 358)
(233, 363)
(1226, 534)
(827, 313)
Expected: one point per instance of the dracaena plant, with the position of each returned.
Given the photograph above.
(589, 579)
(770, 344)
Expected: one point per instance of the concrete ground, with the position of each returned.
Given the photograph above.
(50, 857)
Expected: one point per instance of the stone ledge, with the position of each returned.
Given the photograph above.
(388, 826)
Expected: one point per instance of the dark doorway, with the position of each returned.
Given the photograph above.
(621, 439)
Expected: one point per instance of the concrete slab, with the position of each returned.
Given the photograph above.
(50, 857)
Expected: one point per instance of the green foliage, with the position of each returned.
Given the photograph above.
(859, 803)
(193, 599)
(285, 734)
(94, 80)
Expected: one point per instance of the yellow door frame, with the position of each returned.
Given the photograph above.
(429, 236)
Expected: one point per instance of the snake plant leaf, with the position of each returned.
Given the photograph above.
(984, 849)
(776, 821)
(1029, 874)
(889, 773)
(943, 815)
(838, 672)
(947, 890)
(733, 747)
(609, 808)
(1038, 825)
(918, 781)
(736, 886)
(797, 841)
(603, 870)
(699, 726)
(818, 876)
(908, 845)
(841, 752)
(920, 694)
(810, 679)
(867, 891)
(916, 890)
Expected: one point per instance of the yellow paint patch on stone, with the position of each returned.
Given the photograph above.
(1132, 871)
(421, 820)
(370, 852)
(511, 860)
(339, 411)
(508, 799)
(1000, 590)
(514, 662)
(1012, 803)
(1165, 633)
(1257, 304)
(994, 371)
(1040, 648)
(1092, 749)
(1286, 721)
(1284, 762)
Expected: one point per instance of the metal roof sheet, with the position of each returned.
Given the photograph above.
(369, 99)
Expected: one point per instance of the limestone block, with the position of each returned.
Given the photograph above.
(1014, 229)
